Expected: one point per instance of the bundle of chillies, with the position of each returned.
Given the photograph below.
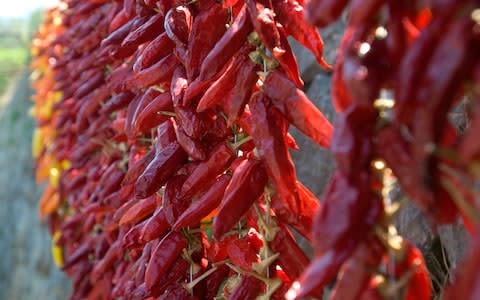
(402, 67)
(163, 131)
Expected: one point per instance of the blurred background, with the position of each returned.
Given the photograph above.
(26, 267)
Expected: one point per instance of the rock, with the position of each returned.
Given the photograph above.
(455, 240)
(412, 225)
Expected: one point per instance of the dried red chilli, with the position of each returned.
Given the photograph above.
(247, 184)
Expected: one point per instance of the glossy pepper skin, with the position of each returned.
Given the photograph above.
(292, 259)
(292, 16)
(137, 168)
(146, 32)
(163, 256)
(172, 204)
(139, 211)
(229, 43)
(208, 27)
(156, 49)
(157, 74)
(151, 116)
(155, 226)
(273, 151)
(178, 24)
(242, 253)
(246, 186)
(159, 170)
(303, 222)
(297, 108)
(235, 101)
(223, 85)
(206, 171)
(204, 204)
(262, 17)
(194, 148)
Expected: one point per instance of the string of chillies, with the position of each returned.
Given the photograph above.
(163, 133)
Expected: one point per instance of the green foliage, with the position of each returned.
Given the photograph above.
(11, 61)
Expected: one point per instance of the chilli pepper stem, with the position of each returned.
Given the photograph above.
(189, 287)
(249, 273)
(167, 113)
(238, 144)
(272, 287)
(270, 231)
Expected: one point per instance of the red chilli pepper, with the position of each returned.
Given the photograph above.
(173, 205)
(157, 74)
(246, 186)
(297, 108)
(292, 259)
(224, 84)
(178, 24)
(355, 273)
(160, 47)
(208, 27)
(324, 12)
(236, 100)
(242, 253)
(139, 211)
(159, 170)
(155, 226)
(263, 20)
(291, 15)
(114, 252)
(146, 32)
(231, 41)
(194, 148)
(272, 149)
(137, 167)
(349, 210)
(204, 205)
(151, 116)
(207, 171)
(163, 256)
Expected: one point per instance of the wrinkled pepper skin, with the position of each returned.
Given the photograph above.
(297, 108)
(273, 151)
(246, 186)
(203, 205)
(163, 256)
(229, 43)
(206, 171)
(159, 170)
